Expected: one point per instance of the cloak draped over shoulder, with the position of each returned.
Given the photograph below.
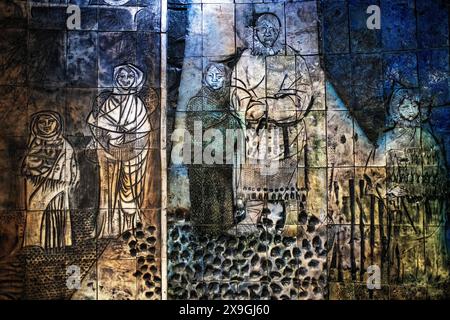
(51, 171)
(121, 128)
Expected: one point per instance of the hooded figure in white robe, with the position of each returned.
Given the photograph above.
(121, 129)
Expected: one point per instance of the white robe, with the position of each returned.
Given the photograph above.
(122, 129)
(282, 86)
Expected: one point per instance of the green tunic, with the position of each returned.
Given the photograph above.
(211, 186)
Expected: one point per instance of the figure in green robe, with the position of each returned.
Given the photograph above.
(211, 184)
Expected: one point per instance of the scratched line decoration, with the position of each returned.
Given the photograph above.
(334, 182)
(81, 170)
(306, 150)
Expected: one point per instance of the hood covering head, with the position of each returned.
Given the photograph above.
(224, 90)
(37, 133)
(400, 97)
(135, 87)
(44, 148)
(219, 66)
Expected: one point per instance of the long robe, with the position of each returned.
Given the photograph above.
(51, 170)
(211, 187)
(416, 180)
(121, 129)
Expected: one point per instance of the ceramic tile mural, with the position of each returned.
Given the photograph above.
(246, 149)
(81, 170)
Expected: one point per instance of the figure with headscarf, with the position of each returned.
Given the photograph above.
(272, 93)
(120, 127)
(416, 192)
(211, 187)
(51, 173)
